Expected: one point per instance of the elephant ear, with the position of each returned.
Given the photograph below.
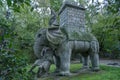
(55, 36)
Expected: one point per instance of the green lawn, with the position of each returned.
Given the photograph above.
(106, 73)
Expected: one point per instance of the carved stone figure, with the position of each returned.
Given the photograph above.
(44, 62)
(58, 40)
(53, 18)
(70, 37)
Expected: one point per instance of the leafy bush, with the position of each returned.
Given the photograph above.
(107, 30)
(12, 62)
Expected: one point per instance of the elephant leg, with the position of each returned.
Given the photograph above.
(65, 63)
(65, 55)
(94, 56)
(95, 61)
(57, 63)
(85, 60)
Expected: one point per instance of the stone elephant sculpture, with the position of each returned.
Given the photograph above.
(57, 39)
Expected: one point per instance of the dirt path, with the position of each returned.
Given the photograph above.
(110, 62)
(107, 62)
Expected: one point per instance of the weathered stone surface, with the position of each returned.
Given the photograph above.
(65, 48)
(70, 37)
(81, 36)
(44, 62)
(72, 15)
(72, 20)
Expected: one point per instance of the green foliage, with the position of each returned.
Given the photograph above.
(113, 6)
(83, 36)
(19, 31)
(12, 62)
(105, 24)
(107, 31)
(107, 73)
(15, 4)
(27, 22)
(56, 4)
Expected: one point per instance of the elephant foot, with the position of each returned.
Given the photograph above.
(84, 69)
(95, 69)
(64, 73)
(57, 71)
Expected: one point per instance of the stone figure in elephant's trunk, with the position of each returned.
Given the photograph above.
(58, 40)
(44, 62)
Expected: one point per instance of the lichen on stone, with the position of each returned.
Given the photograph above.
(85, 36)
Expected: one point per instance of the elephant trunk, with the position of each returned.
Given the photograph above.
(40, 42)
(37, 49)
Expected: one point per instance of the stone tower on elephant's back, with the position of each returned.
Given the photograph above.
(72, 18)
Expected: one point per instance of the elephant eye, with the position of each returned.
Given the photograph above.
(39, 35)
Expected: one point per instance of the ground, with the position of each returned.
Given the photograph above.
(110, 62)
(107, 62)
(106, 73)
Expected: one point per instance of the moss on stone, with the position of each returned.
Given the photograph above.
(75, 35)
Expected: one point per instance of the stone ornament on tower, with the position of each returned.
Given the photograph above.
(53, 19)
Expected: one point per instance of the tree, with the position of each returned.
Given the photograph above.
(11, 62)
(14, 4)
(105, 25)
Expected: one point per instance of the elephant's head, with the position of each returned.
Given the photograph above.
(39, 43)
(46, 37)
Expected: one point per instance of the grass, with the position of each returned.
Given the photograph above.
(106, 73)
